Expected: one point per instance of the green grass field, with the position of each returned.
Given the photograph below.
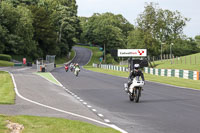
(190, 62)
(6, 63)
(33, 124)
(7, 94)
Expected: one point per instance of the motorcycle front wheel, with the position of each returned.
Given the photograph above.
(76, 74)
(137, 94)
(131, 97)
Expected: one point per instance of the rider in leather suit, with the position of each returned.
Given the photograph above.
(135, 72)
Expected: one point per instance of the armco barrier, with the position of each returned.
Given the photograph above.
(111, 67)
(186, 74)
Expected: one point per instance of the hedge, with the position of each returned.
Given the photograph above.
(5, 57)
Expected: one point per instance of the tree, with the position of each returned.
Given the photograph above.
(66, 23)
(185, 46)
(44, 33)
(38, 27)
(3, 33)
(17, 30)
(160, 26)
(106, 28)
(197, 39)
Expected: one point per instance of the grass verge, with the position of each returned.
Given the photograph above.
(33, 124)
(48, 76)
(190, 62)
(64, 60)
(6, 63)
(7, 93)
(154, 78)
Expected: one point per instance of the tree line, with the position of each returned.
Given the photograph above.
(154, 28)
(36, 28)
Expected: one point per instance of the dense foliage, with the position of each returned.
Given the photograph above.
(106, 30)
(36, 28)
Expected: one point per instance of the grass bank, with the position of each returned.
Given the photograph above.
(190, 62)
(7, 93)
(6, 63)
(33, 124)
(154, 78)
(61, 61)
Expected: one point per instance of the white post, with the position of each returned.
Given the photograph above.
(171, 51)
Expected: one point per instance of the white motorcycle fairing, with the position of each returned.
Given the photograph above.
(135, 83)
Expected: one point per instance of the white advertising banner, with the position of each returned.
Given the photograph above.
(132, 52)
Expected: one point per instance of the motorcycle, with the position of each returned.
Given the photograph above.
(66, 68)
(76, 71)
(135, 89)
(71, 68)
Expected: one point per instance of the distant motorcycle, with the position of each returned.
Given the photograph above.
(76, 71)
(71, 67)
(66, 68)
(135, 89)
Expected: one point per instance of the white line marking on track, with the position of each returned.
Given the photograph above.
(94, 110)
(100, 115)
(89, 106)
(56, 80)
(66, 112)
(22, 69)
(106, 120)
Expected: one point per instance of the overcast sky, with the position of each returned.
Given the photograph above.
(130, 9)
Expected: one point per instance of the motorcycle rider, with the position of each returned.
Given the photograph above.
(71, 66)
(135, 72)
(77, 66)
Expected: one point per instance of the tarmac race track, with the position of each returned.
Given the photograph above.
(162, 108)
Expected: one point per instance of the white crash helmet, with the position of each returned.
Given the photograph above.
(136, 66)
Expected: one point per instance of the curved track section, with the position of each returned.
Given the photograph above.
(82, 56)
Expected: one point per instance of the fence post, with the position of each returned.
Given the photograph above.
(185, 59)
(195, 59)
(181, 60)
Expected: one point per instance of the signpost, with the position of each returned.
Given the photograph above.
(132, 52)
(101, 59)
(137, 53)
